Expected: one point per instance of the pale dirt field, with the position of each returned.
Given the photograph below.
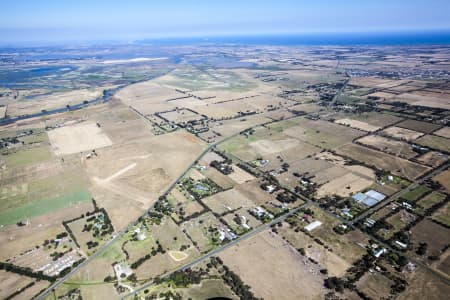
(265, 147)
(444, 132)
(402, 133)
(240, 176)
(383, 161)
(387, 145)
(52, 101)
(81, 137)
(344, 186)
(358, 124)
(286, 277)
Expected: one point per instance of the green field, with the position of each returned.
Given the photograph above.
(416, 193)
(431, 199)
(42, 207)
(24, 157)
(443, 215)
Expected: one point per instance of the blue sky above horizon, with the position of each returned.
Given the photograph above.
(102, 20)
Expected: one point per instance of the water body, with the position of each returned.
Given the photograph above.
(317, 39)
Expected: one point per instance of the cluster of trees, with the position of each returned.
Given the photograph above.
(286, 197)
(25, 271)
(163, 206)
(92, 244)
(223, 167)
(237, 285)
(185, 278)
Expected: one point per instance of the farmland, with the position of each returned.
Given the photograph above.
(224, 171)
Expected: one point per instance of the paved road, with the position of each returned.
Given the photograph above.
(221, 248)
(119, 234)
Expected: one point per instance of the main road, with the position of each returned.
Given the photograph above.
(119, 234)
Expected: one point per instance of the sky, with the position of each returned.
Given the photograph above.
(43, 21)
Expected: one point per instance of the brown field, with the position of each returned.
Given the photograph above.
(10, 282)
(382, 95)
(148, 97)
(140, 171)
(197, 229)
(240, 176)
(224, 181)
(358, 124)
(335, 265)
(435, 142)
(55, 100)
(402, 133)
(230, 127)
(228, 200)
(444, 132)
(425, 285)
(252, 190)
(394, 147)
(286, 277)
(180, 116)
(266, 147)
(344, 186)
(350, 247)
(431, 233)
(121, 132)
(433, 158)
(375, 82)
(444, 179)
(211, 156)
(382, 161)
(375, 118)
(77, 138)
(418, 126)
(443, 214)
(433, 100)
(375, 285)
(322, 134)
(14, 240)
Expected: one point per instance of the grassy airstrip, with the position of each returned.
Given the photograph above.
(42, 207)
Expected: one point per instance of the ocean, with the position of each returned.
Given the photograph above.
(318, 39)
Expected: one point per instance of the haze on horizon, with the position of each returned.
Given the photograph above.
(51, 21)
